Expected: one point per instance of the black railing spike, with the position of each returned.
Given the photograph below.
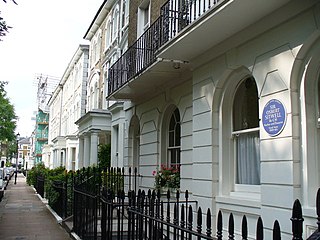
(182, 221)
(276, 231)
(318, 208)
(168, 195)
(199, 220)
(231, 227)
(244, 228)
(190, 221)
(297, 220)
(177, 195)
(259, 231)
(130, 178)
(175, 214)
(153, 196)
(209, 230)
(149, 193)
(190, 216)
(133, 194)
(182, 213)
(186, 194)
(158, 194)
(168, 219)
(219, 226)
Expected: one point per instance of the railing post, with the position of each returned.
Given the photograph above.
(297, 220)
(231, 227)
(219, 226)
(276, 231)
(190, 221)
(244, 228)
(259, 231)
(209, 230)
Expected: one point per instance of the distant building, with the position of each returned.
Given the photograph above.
(41, 134)
(66, 105)
(25, 158)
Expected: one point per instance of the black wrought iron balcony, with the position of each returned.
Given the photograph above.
(175, 16)
(184, 30)
(137, 58)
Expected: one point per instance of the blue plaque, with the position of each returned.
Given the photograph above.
(274, 117)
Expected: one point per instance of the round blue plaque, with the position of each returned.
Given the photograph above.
(274, 117)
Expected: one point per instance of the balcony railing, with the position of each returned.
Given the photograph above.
(175, 15)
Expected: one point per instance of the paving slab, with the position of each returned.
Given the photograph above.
(23, 216)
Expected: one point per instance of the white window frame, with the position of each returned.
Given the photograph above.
(145, 7)
(250, 191)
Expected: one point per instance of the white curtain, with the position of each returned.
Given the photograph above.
(248, 158)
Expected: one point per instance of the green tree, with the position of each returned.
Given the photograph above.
(104, 156)
(7, 116)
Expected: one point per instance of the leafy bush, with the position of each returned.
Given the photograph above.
(104, 156)
(35, 171)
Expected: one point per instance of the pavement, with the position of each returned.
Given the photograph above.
(25, 216)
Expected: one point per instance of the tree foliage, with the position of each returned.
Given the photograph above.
(7, 116)
(4, 28)
(104, 155)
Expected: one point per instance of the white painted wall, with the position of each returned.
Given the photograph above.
(276, 59)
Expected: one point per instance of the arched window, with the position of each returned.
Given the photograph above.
(125, 13)
(246, 133)
(174, 139)
(108, 32)
(115, 27)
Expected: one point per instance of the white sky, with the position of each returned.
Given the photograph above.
(44, 37)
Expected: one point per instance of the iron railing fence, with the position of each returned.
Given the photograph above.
(62, 203)
(85, 214)
(102, 213)
(150, 216)
(89, 205)
(39, 186)
(175, 15)
(118, 219)
(58, 203)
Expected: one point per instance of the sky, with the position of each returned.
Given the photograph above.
(43, 38)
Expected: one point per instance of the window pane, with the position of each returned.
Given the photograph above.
(246, 117)
(174, 135)
(177, 134)
(248, 158)
(171, 139)
(172, 123)
(245, 106)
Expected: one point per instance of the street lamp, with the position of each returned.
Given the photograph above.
(16, 174)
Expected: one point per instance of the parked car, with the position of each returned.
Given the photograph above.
(3, 182)
(9, 172)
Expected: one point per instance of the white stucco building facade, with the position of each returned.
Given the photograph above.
(240, 91)
(108, 35)
(67, 104)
